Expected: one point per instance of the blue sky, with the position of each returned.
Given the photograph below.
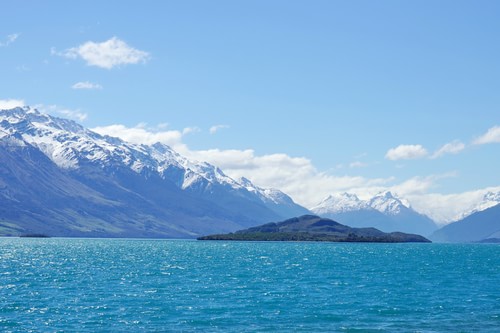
(312, 97)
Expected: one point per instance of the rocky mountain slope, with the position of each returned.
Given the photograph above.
(476, 227)
(61, 179)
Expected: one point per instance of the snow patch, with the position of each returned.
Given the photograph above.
(489, 200)
(69, 144)
(340, 203)
(384, 202)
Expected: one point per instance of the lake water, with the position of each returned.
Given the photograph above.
(99, 285)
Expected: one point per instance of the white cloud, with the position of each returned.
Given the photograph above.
(298, 177)
(68, 113)
(357, 164)
(86, 85)
(189, 130)
(453, 147)
(406, 152)
(295, 176)
(216, 128)
(22, 68)
(140, 134)
(446, 208)
(108, 54)
(6, 104)
(420, 185)
(9, 40)
(73, 114)
(491, 136)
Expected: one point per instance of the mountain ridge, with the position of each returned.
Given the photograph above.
(109, 181)
(154, 182)
(384, 211)
(477, 227)
(488, 200)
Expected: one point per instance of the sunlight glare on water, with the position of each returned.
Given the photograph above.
(89, 285)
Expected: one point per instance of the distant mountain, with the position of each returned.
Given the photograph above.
(488, 200)
(61, 179)
(350, 210)
(388, 204)
(341, 203)
(477, 227)
(383, 211)
(315, 228)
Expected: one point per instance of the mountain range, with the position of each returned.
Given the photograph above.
(61, 179)
(58, 178)
(384, 211)
(480, 226)
(488, 200)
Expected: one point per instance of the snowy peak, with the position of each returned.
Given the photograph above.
(489, 200)
(384, 211)
(70, 146)
(245, 182)
(386, 203)
(340, 203)
(64, 141)
(37, 121)
(18, 114)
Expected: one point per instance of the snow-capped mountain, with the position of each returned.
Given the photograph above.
(340, 203)
(476, 227)
(489, 200)
(481, 222)
(386, 203)
(384, 211)
(70, 145)
(117, 171)
(274, 199)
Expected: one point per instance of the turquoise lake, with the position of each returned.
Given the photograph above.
(116, 285)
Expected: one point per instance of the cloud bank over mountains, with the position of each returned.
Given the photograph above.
(6, 104)
(298, 177)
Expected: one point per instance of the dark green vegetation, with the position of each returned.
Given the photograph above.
(315, 228)
(34, 236)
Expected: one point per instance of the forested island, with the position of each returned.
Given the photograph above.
(315, 228)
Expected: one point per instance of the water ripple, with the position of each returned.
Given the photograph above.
(89, 285)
